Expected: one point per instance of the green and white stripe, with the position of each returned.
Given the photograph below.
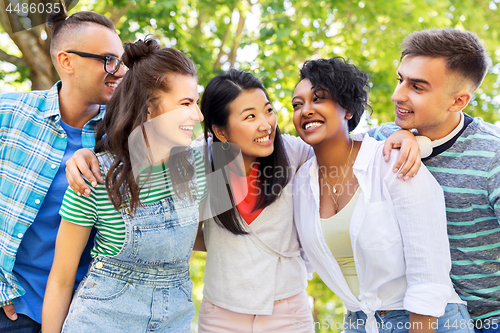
(98, 211)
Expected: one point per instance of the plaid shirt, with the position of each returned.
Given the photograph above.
(32, 144)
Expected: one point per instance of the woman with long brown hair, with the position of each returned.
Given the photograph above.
(146, 217)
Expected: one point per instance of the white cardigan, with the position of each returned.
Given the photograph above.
(398, 234)
(242, 273)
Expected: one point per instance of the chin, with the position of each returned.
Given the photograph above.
(401, 124)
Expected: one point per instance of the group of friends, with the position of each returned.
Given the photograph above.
(407, 247)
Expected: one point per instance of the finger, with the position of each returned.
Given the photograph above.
(414, 168)
(84, 168)
(403, 156)
(389, 145)
(96, 171)
(387, 150)
(71, 183)
(10, 312)
(75, 180)
(407, 166)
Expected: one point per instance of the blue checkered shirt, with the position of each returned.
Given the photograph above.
(32, 144)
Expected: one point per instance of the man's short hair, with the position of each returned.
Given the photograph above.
(463, 51)
(63, 26)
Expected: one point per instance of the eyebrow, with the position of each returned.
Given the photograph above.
(250, 109)
(187, 98)
(111, 54)
(414, 80)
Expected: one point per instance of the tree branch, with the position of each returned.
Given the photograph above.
(237, 38)
(4, 56)
(116, 15)
(217, 63)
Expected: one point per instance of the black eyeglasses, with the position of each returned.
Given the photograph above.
(111, 63)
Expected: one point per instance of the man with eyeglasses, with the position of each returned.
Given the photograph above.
(39, 131)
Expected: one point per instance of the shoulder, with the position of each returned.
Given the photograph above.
(485, 131)
(370, 154)
(481, 138)
(304, 172)
(34, 96)
(24, 104)
(383, 131)
(294, 143)
(195, 157)
(296, 150)
(105, 159)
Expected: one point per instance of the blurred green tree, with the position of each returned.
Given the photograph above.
(272, 39)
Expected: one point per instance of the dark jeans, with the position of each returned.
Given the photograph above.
(23, 324)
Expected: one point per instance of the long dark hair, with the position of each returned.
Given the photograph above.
(148, 75)
(219, 93)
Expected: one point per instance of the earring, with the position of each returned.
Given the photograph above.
(227, 147)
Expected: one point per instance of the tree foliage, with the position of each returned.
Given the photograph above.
(272, 39)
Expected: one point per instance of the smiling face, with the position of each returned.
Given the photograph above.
(423, 98)
(251, 125)
(316, 116)
(88, 75)
(176, 112)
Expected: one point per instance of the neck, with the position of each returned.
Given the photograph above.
(334, 154)
(159, 150)
(248, 163)
(75, 110)
(440, 131)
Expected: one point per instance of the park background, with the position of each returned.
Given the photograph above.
(271, 39)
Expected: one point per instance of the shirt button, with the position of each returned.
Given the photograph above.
(20, 235)
(98, 265)
(63, 136)
(37, 201)
(53, 166)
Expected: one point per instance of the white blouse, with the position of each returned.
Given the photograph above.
(247, 273)
(398, 235)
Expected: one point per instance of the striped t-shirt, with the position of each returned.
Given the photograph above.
(97, 210)
(469, 173)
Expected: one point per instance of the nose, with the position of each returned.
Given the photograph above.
(265, 124)
(196, 114)
(307, 110)
(399, 94)
(121, 71)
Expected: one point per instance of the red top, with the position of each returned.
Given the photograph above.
(246, 206)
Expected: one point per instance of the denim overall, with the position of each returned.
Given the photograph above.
(146, 287)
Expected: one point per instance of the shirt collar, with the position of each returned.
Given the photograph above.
(452, 134)
(52, 104)
(51, 107)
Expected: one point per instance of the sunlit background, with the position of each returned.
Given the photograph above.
(272, 39)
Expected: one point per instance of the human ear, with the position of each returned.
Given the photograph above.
(220, 133)
(64, 62)
(348, 115)
(460, 101)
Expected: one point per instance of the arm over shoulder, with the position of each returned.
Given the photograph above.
(420, 210)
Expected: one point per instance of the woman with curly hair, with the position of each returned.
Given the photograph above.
(378, 243)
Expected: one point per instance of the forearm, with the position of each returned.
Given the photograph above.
(71, 240)
(56, 303)
(422, 324)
